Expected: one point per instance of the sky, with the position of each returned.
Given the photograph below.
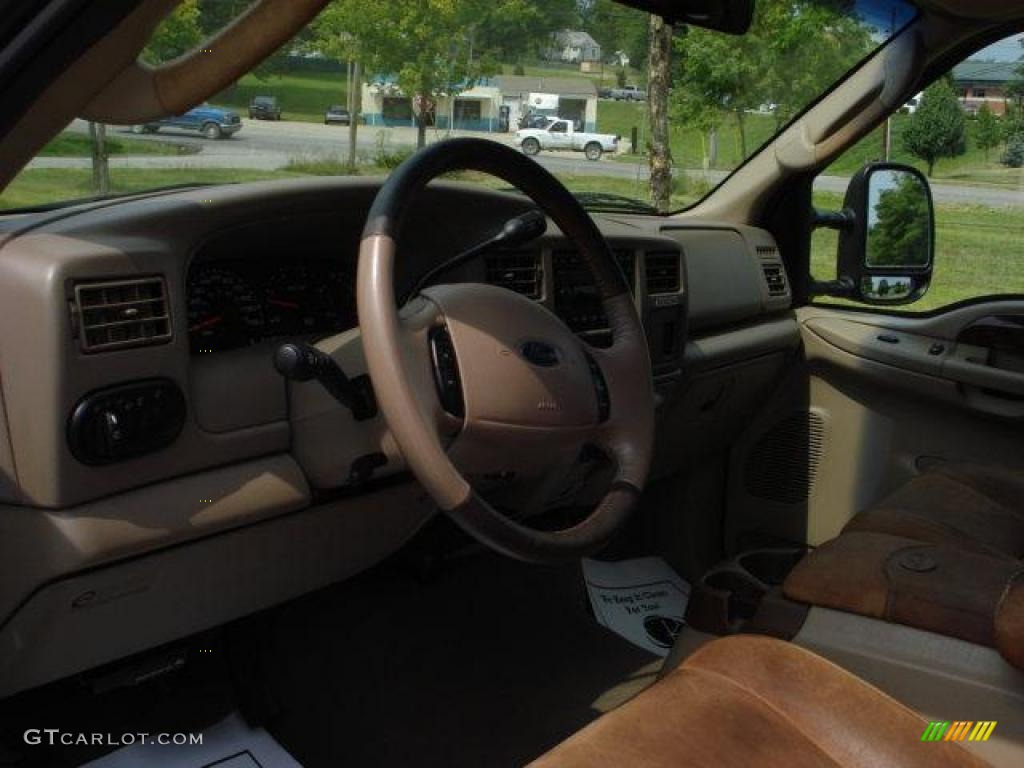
(1005, 50)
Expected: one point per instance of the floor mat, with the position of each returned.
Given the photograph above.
(229, 744)
(642, 600)
(492, 663)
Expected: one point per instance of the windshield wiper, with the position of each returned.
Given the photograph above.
(61, 204)
(608, 202)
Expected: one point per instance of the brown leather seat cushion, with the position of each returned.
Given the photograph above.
(969, 506)
(935, 587)
(749, 700)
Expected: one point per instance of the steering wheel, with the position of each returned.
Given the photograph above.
(475, 378)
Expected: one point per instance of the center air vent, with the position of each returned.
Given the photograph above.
(663, 273)
(775, 278)
(126, 313)
(519, 272)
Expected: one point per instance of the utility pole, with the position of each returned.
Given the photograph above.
(100, 161)
(355, 98)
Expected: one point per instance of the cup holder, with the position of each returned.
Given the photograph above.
(770, 566)
(730, 594)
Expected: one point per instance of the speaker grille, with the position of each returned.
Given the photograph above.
(783, 465)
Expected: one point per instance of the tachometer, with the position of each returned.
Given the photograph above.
(224, 311)
(289, 303)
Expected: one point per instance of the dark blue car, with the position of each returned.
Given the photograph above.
(212, 122)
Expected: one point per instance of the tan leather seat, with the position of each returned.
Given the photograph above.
(756, 701)
(969, 506)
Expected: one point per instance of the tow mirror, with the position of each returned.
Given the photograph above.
(886, 237)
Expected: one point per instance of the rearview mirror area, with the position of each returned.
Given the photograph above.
(887, 246)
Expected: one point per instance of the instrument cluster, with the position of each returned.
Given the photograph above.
(234, 304)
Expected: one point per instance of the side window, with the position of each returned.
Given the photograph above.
(559, 128)
(966, 132)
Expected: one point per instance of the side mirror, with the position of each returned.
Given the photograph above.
(887, 236)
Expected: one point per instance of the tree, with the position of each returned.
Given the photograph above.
(989, 133)
(937, 128)
(1015, 87)
(899, 235)
(658, 84)
(617, 28)
(513, 30)
(793, 48)
(177, 34)
(427, 46)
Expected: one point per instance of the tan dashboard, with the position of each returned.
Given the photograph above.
(142, 412)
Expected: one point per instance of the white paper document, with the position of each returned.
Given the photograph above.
(229, 744)
(642, 600)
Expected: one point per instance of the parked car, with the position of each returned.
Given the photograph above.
(629, 93)
(212, 122)
(562, 134)
(337, 115)
(264, 108)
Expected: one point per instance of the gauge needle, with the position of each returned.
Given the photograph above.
(283, 303)
(208, 323)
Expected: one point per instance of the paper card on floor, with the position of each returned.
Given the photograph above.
(642, 600)
(229, 744)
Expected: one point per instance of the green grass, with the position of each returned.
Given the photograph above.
(70, 144)
(979, 252)
(973, 167)
(38, 186)
(302, 97)
(688, 147)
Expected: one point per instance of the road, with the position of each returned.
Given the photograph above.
(266, 146)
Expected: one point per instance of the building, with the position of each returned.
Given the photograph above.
(476, 109)
(980, 82)
(493, 105)
(571, 98)
(574, 47)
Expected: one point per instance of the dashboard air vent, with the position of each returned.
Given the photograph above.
(767, 252)
(775, 278)
(125, 313)
(663, 273)
(519, 272)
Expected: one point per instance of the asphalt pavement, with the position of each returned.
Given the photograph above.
(270, 146)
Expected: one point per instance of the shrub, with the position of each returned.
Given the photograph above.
(1014, 154)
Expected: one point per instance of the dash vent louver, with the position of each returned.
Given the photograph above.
(122, 314)
(519, 271)
(775, 279)
(663, 273)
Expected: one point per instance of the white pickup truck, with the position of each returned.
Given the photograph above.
(562, 135)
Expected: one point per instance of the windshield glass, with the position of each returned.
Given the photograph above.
(573, 83)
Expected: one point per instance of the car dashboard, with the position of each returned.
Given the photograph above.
(146, 437)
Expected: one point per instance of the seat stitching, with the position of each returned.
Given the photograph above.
(857, 682)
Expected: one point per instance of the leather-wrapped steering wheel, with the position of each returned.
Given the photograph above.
(471, 377)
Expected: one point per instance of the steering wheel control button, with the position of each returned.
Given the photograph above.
(115, 424)
(446, 371)
(540, 353)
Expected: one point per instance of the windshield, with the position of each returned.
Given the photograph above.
(572, 83)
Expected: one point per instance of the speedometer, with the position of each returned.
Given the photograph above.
(224, 311)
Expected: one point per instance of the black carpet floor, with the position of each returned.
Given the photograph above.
(489, 664)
